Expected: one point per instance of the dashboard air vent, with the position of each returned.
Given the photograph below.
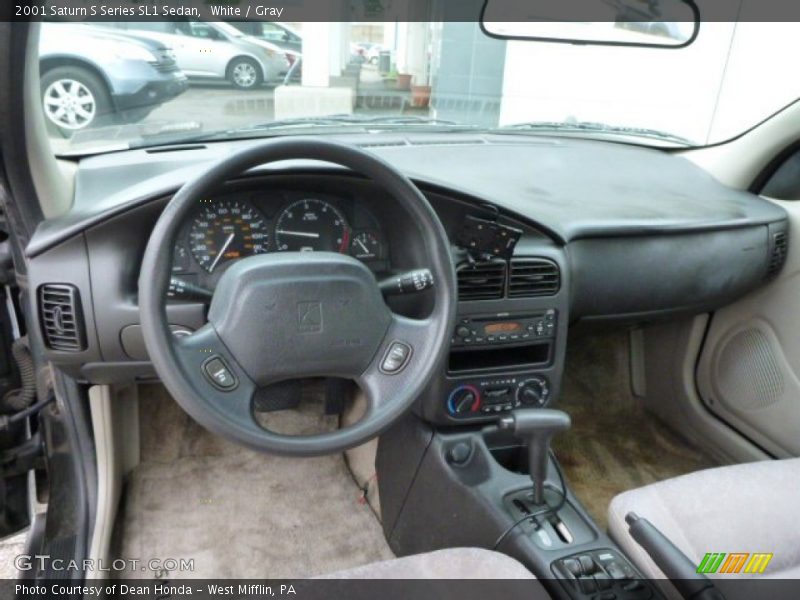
(481, 281)
(62, 322)
(533, 277)
(780, 246)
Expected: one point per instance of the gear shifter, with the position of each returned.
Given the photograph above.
(536, 426)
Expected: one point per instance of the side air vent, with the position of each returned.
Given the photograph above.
(533, 277)
(62, 321)
(780, 246)
(481, 281)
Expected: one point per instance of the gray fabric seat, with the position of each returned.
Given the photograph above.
(751, 508)
(453, 563)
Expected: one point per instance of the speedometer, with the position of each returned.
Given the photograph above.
(226, 230)
(312, 224)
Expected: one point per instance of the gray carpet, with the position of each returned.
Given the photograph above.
(614, 445)
(10, 548)
(239, 513)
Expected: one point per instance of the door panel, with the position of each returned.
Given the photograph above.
(16, 440)
(749, 370)
(199, 50)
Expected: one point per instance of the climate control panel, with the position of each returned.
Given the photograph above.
(487, 396)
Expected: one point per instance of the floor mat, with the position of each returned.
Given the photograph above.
(239, 513)
(613, 445)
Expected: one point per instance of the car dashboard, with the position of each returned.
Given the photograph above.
(609, 233)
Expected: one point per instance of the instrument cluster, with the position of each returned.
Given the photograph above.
(226, 228)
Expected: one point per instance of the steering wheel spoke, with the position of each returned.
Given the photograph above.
(217, 376)
(204, 354)
(395, 366)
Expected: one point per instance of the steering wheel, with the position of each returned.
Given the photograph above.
(288, 315)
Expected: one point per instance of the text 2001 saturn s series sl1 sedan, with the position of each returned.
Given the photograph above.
(514, 301)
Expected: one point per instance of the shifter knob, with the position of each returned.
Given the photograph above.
(536, 426)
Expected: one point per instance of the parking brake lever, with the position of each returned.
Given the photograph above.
(681, 571)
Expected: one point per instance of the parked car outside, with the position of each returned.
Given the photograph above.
(91, 77)
(217, 50)
(279, 34)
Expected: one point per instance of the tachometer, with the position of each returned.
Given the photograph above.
(312, 224)
(226, 230)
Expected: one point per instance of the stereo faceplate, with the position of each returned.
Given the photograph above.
(501, 329)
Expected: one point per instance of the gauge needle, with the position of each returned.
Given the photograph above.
(360, 243)
(306, 234)
(221, 252)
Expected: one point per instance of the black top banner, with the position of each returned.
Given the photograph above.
(394, 10)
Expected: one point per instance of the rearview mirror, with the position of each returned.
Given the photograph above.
(656, 23)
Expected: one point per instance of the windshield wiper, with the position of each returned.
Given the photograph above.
(591, 126)
(331, 121)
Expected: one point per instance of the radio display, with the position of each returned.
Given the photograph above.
(504, 327)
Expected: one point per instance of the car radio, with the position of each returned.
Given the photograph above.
(499, 329)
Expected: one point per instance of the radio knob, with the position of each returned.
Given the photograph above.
(463, 331)
(533, 392)
(464, 400)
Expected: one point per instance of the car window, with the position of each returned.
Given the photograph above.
(201, 30)
(274, 33)
(100, 89)
(151, 26)
(196, 29)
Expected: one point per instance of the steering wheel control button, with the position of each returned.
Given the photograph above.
(219, 374)
(396, 358)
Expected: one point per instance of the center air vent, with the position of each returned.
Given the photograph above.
(62, 322)
(533, 277)
(481, 281)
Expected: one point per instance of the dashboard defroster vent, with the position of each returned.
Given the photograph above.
(780, 246)
(533, 277)
(61, 317)
(481, 281)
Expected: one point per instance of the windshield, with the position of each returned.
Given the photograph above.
(126, 84)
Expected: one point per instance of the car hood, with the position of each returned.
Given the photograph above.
(56, 35)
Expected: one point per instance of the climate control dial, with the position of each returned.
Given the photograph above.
(464, 400)
(534, 392)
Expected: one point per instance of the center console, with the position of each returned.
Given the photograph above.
(473, 487)
(504, 354)
(472, 467)
(498, 362)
